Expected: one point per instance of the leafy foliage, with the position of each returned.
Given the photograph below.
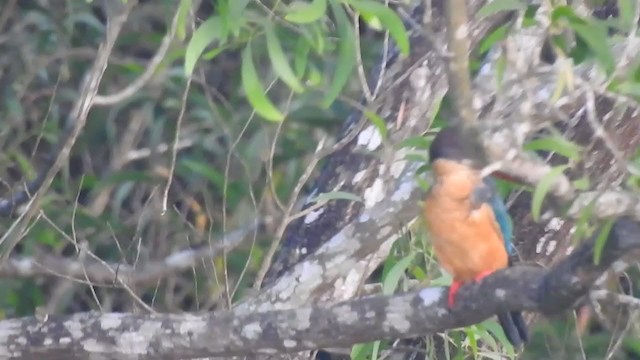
(291, 63)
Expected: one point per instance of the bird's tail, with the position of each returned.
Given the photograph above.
(514, 327)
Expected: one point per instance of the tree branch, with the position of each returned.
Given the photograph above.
(100, 273)
(237, 332)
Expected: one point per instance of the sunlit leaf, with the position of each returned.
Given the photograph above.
(209, 31)
(183, 12)
(498, 34)
(361, 351)
(302, 12)
(279, 60)
(388, 18)
(254, 90)
(557, 144)
(543, 188)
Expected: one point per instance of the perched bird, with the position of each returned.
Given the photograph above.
(467, 221)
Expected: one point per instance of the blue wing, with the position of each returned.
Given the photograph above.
(502, 216)
(488, 194)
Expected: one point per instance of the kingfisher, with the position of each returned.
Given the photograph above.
(467, 220)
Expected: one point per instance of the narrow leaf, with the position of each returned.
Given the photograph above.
(301, 56)
(279, 60)
(596, 38)
(255, 91)
(346, 55)
(542, 189)
(303, 12)
(183, 11)
(209, 31)
(556, 143)
(391, 281)
(388, 18)
(601, 240)
(378, 122)
(497, 6)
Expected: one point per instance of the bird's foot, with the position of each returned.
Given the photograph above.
(453, 290)
(482, 275)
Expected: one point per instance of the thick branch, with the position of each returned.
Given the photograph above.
(124, 336)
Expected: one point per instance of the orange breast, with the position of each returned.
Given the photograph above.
(466, 241)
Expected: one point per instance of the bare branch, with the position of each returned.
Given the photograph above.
(101, 273)
(151, 68)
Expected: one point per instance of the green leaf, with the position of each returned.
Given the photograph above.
(419, 142)
(497, 6)
(372, 21)
(201, 167)
(542, 189)
(498, 34)
(375, 350)
(471, 333)
(596, 38)
(493, 327)
(627, 11)
(418, 273)
(629, 88)
(301, 56)
(601, 240)
(346, 55)
(279, 60)
(581, 183)
(594, 34)
(556, 143)
(378, 122)
(391, 281)
(183, 12)
(236, 7)
(255, 91)
(303, 12)
(318, 38)
(314, 77)
(361, 351)
(209, 31)
(336, 195)
(388, 18)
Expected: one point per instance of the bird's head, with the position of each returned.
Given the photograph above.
(452, 149)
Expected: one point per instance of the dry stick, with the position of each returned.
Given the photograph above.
(153, 65)
(78, 120)
(95, 271)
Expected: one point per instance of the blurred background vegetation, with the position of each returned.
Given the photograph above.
(205, 137)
